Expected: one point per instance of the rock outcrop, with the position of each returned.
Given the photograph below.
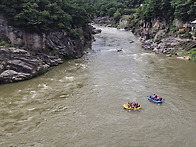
(18, 64)
(96, 31)
(34, 53)
(155, 37)
(103, 20)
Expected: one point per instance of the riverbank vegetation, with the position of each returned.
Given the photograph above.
(191, 54)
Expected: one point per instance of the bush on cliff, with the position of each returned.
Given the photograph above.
(4, 43)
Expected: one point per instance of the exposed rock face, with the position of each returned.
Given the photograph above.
(155, 37)
(103, 20)
(39, 41)
(35, 53)
(20, 38)
(63, 46)
(19, 64)
(160, 34)
(123, 22)
(165, 45)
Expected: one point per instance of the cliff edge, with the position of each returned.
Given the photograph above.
(29, 54)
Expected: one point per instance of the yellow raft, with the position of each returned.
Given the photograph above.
(129, 108)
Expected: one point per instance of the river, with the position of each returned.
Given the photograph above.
(80, 102)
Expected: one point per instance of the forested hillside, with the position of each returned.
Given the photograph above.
(168, 10)
(184, 10)
(46, 15)
(114, 8)
(110, 7)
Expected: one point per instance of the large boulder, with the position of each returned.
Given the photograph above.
(18, 64)
(96, 31)
(160, 34)
(9, 76)
(102, 20)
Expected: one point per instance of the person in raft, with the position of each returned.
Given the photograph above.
(155, 97)
(132, 105)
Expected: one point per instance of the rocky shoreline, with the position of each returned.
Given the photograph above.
(19, 64)
(155, 38)
(33, 54)
(166, 45)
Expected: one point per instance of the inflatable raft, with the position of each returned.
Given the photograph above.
(127, 106)
(155, 99)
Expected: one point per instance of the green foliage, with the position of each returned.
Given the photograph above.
(172, 51)
(173, 29)
(184, 10)
(4, 43)
(129, 11)
(74, 33)
(194, 32)
(191, 53)
(155, 9)
(158, 40)
(117, 16)
(47, 15)
(168, 10)
(109, 7)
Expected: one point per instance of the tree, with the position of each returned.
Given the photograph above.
(184, 9)
(192, 11)
(117, 16)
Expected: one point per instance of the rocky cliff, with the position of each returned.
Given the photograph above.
(155, 36)
(34, 53)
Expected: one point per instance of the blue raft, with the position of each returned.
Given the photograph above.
(156, 100)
